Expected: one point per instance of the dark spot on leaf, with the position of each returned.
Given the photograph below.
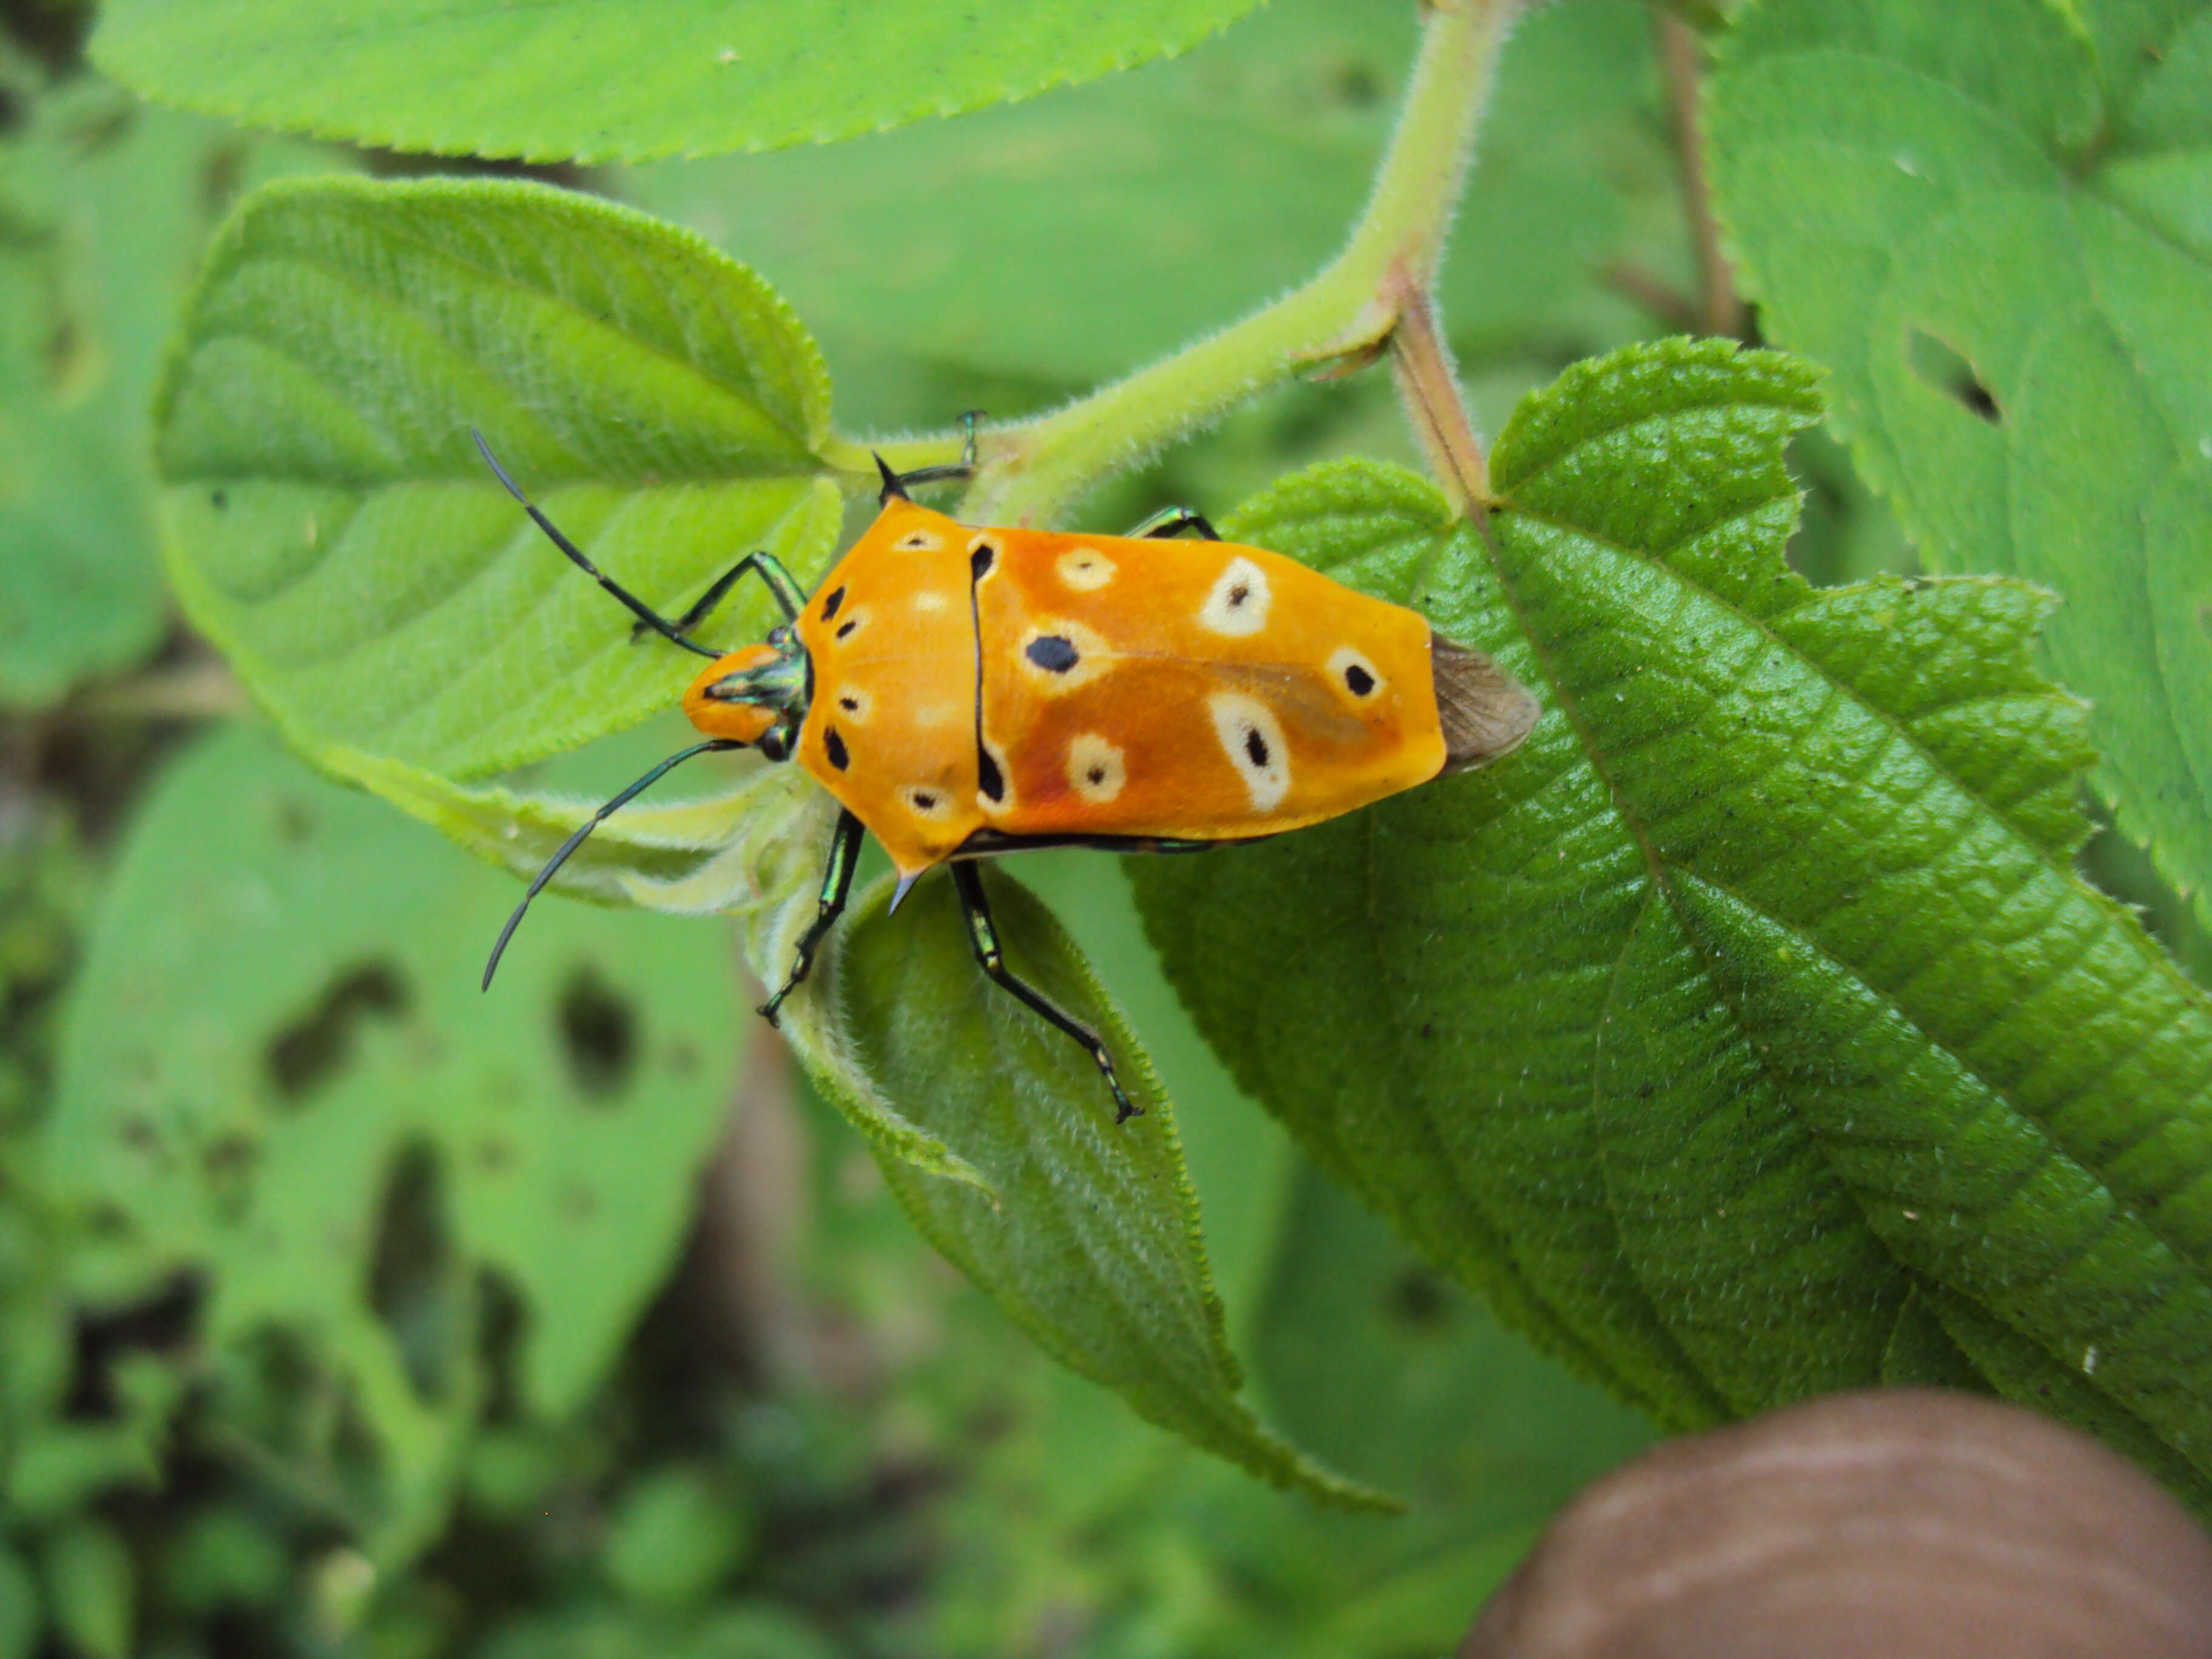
(598, 1033)
(138, 1134)
(1053, 652)
(980, 562)
(1428, 1028)
(410, 1282)
(1355, 85)
(219, 498)
(683, 1058)
(988, 776)
(1359, 680)
(834, 746)
(830, 605)
(494, 1154)
(1940, 366)
(1416, 1297)
(1255, 746)
(227, 1164)
(295, 821)
(308, 1053)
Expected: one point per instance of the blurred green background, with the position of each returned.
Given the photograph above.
(570, 1323)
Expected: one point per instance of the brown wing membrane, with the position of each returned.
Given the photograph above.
(1484, 712)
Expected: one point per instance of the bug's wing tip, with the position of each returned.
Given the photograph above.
(1484, 711)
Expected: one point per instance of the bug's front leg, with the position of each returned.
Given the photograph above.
(1173, 522)
(985, 937)
(836, 884)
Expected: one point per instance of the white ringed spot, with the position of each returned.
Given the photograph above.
(854, 705)
(1238, 603)
(1085, 570)
(1097, 769)
(1253, 739)
(1354, 675)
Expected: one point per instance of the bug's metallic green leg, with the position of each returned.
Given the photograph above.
(836, 883)
(766, 566)
(985, 937)
(1174, 520)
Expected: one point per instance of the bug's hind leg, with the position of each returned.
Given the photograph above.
(985, 937)
(836, 884)
(1173, 522)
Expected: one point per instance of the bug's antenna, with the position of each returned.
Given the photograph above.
(554, 864)
(644, 612)
(894, 486)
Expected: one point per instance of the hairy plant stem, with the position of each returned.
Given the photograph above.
(1342, 319)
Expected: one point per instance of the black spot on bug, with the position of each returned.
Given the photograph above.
(834, 746)
(830, 605)
(845, 632)
(988, 778)
(924, 801)
(1097, 775)
(849, 702)
(1238, 595)
(1359, 680)
(1053, 652)
(980, 560)
(1255, 746)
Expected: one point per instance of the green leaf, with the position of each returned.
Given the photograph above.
(19, 1607)
(676, 1535)
(104, 209)
(1755, 997)
(276, 1067)
(1088, 1235)
(329, 523)
(1992, 227)
(548, 81)
(952, 254)
(91, 1589)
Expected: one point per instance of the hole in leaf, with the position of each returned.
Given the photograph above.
(1416, 1297)
(1941, 367)
(599, 1031)
(410, 1282)
(306, 1055)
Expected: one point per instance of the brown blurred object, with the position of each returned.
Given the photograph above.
(1894, 1523)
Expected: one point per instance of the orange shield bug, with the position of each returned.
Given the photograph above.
(966, 692)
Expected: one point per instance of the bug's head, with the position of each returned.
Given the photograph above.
(756, 696)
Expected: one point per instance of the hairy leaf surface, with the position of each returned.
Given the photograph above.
(1990, 222)
(551, 79)
(330, 525)
(1755, 998)
(1088, 1235)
